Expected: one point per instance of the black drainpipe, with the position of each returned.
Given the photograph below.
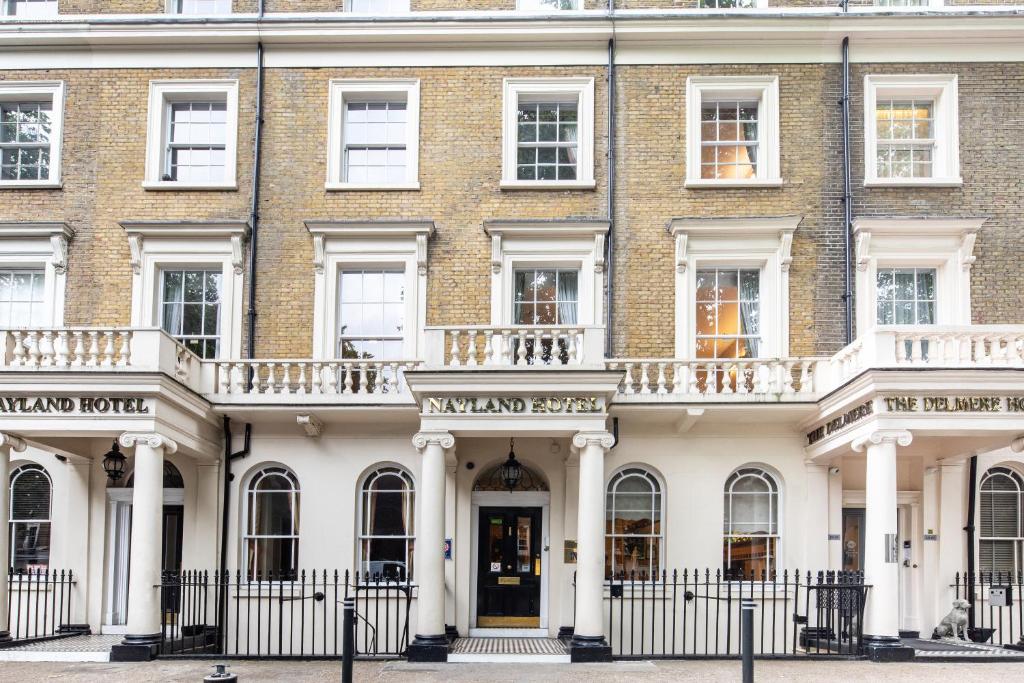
(609, 245)
(847, 194)
(972, 497)
(225, 517)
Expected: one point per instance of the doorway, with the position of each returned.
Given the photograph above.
(509, 567)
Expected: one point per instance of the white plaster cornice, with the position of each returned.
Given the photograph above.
(964, 229)
(311, 424)
(690, 231)
(15, 443)
(418, 230)
(151, 439)
(421, 440)
(59, 234)
(499, 230)
(139, 231)
(583, 439)
(899, 437)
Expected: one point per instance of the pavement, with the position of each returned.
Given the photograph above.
(193, 671)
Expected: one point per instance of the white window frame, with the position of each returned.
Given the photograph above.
(17, 91)
(348, 8)
(1012, 471)
(338, 245)
(945, 244)
(42, 246)
(942, 90)
(344, 90)
(16, 472)
(773, 476)
(764, 89)
(647, 473)
(5, 9)
(157, 246)
(172, 8)
(259, 472)
(161, 95)
(568, 244)
(410, 538)
(582, 88)
(763, 243)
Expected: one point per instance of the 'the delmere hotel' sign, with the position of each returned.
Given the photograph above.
(920, 404)
(535, 405)
(62, 405)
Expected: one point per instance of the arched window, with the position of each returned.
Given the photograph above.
(751, 536)
(272, 525)
(633, 536)
(386, 531)
(30, 518)
(1001, 532)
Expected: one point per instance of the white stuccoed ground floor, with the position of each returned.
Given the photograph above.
(879, 445)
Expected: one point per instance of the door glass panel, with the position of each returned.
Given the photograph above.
(523, 527)
(494, 544)
(852, 535)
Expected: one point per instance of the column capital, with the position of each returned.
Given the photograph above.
(421, 440)
(1017, 445)
(584, 439)
(900, 437)
(151, 439)
(13, 442)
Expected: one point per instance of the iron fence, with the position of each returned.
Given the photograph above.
(998, 618)
(696, 614)
(39, 603)
(290, 615)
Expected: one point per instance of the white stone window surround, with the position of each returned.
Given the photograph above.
(582, 88)
(537, 6)
(945, 244)
(162, 93)
(576, 244)
(380, 7)
(368, 244)
(41, 246)
(764, 89)
(157, 246)
(15, 91)
(942, 90)
(173, 7)
(756, 242)
(344, 90)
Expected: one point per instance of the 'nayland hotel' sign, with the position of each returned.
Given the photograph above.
(536, 405)
(62, 405)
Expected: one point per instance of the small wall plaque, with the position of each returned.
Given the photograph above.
(508, 580)
(570, 552)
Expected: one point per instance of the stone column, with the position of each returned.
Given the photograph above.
(588, 642)
(144, 627)
(835, 518)
(952, 540)
(930, 549)
(571, 526)
(450, 489)
(8, 443)
(431, 643)
(816, 516)
(881, 556)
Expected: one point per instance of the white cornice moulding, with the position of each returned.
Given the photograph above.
(964, 228)
(235, 231)
(57, 233)
(685, 230)
(498, 230)
(321, 231)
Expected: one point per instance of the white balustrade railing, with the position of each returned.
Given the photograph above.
(975, 345)
(85, 347)
(310, 377)
(709, 377)
(514, 346)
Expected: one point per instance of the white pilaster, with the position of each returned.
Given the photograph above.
(835, 518)
(952, 541)
(430, 539)
(816, 517)
(929, 548)
(881, 556)
(147, 527)
(75, 537)
(589, 630)
(8, 443)
(451, 470)
(572, 493)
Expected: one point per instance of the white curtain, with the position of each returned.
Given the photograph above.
(567, 298)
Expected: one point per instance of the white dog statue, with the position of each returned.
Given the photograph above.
(954, 624)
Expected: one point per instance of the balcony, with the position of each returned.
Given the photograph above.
(91, 350)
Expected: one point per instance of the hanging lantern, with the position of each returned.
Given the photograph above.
(113, 462)
(511, 471)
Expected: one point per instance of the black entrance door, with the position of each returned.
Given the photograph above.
(508, 587)
(173, 531)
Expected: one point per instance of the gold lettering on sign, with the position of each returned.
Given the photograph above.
(953, 404)
(836, 424)
(539, 405)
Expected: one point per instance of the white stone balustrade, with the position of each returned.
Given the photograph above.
(529, 346)
(285, 377)
(759, 377)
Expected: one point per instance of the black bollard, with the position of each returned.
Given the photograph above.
(348, 637)
(747, 640)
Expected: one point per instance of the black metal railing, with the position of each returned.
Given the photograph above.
(39, 602)
(287, 616)
(999, 614)
(697, 614)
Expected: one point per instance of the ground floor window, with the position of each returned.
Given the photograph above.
(386, 530)
(30, 519)
(633, 537)
(750, 544)
(1000, 535)
(272, 526)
